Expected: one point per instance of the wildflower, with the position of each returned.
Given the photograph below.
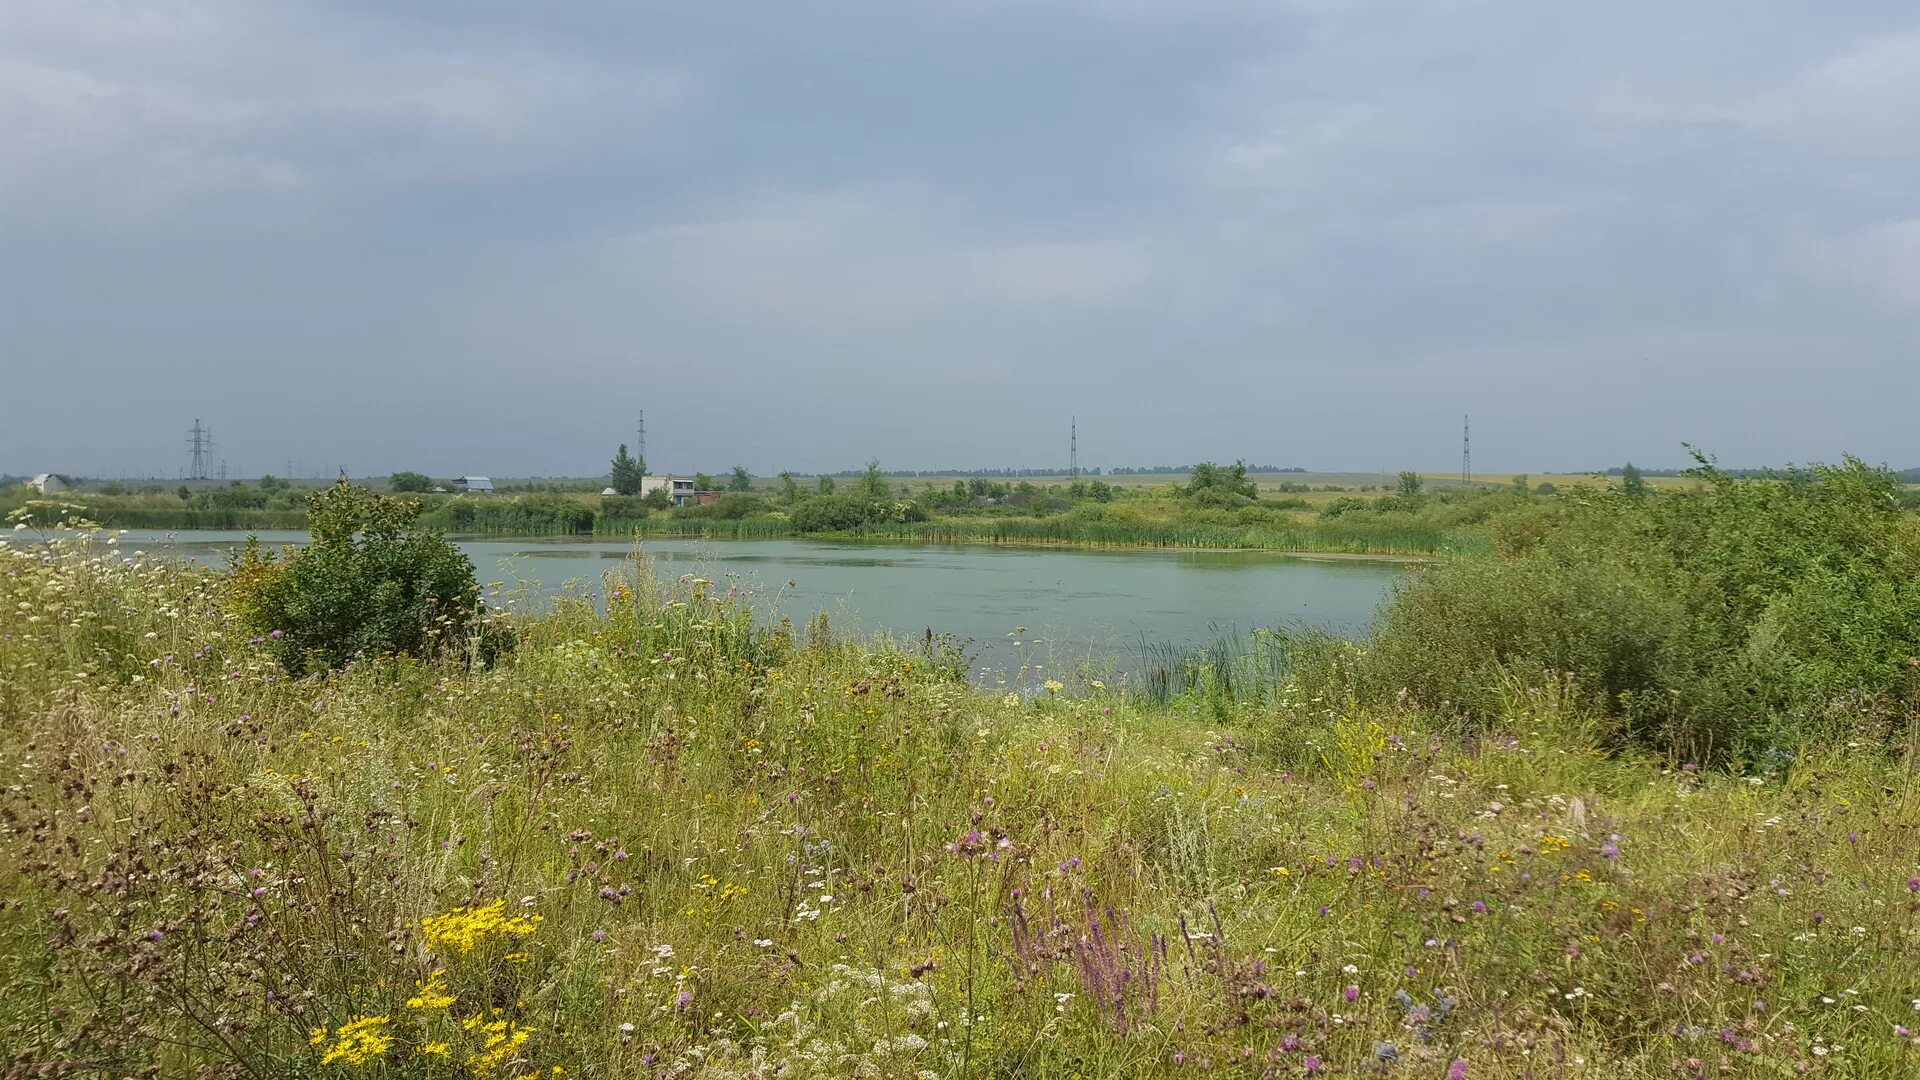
(1312, 1064)
(433, 993)
(968, 846)
(1352, 993)
(1457, 1070)
(1054, 686)
(437, 1049)
(464, 928)
(504, 1038)
(358, 1041)
(683, 1001)
(1385, 1052)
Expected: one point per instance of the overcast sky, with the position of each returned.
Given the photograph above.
(478, 236)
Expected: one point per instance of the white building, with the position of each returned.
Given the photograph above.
(473, 485)
(47, 483)
(678, 488)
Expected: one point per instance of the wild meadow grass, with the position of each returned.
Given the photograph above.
(658, 840)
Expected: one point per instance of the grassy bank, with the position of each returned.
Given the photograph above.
(657, 841)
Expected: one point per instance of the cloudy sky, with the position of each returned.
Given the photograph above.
(479, 236)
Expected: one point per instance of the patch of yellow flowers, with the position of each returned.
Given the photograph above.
(463, 928)
(356, 1042)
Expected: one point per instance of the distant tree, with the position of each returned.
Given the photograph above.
(1631, 481)
(628, 473)
(789, 488)
(400, 481)
(1520, 483)
(742, 480)
(873, 482)
(826, 484)
(113, 487)
(703, 482)
(1230, 480)
(658, 499)
(185, 493)
(1409, 484)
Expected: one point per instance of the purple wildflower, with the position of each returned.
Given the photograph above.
(1457, 1070)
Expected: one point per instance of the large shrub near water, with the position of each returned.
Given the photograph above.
(371, 582)
(1730, 622)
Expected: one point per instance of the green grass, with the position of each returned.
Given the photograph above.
(730, 851)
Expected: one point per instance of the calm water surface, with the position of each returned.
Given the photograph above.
(1056, 608)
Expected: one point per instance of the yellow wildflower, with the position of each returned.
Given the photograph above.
(358, 1041)
(433, 993)
(464, 928)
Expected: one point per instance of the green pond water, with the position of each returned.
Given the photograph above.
(1045, 610)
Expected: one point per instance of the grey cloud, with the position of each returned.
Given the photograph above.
(482, 235)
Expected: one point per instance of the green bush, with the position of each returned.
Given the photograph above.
(853, 512)
(370, 583)
(732, 506)
(1734, 622)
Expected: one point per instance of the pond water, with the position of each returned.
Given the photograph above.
(1045, 609)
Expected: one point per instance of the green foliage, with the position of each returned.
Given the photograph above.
(1732, 622)
(801, 854)
(873, 483)
(622, 508)
(1632, 482)
(1409, 487)
(1221, 486)
(402, 481)
(371, 583)
(628, 472)
(741, 480)
(825, 484)
(732, 506)
(538, 514)
(789, 489)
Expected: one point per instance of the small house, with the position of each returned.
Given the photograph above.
(48, 483)
(679, 489)
(473, 485)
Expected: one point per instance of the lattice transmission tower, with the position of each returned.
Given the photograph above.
(200, 441)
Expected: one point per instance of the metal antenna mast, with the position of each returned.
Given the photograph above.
(1073, 447)
(1466, 449)
(200, 439)
(640, 437)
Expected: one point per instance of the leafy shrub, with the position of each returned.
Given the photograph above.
(732, 506)
(624, 506)
(406, 480)
(1731, 622)
(852, 512)
(370, 583)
